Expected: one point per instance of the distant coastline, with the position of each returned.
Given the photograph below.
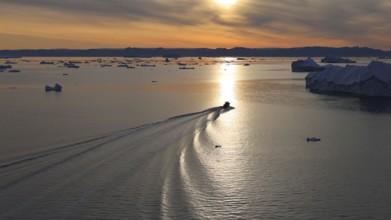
(314, 51)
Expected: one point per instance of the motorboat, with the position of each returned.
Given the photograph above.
(313, 139)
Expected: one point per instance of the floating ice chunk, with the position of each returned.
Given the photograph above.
(5, 67)
(46, 62)
(71, 65)
(10, 62)
(147, 65)
(55, 88)
(123, 65)
(336, 59)
(306, 65)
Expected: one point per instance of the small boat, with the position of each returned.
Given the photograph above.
(313, 139)
(226, 105)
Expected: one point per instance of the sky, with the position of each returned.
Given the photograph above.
(33, 24)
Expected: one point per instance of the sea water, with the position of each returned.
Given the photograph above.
(153, 143)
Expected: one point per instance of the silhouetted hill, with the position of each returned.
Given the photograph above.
(186, 52)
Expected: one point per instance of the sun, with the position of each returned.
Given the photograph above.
(226, 2)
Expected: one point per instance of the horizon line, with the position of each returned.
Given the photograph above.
(190, 48)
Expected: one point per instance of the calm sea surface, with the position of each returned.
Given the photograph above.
(140, 143)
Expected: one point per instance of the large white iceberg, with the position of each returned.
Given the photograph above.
(306, 65)
(336, 59)
(372, 80)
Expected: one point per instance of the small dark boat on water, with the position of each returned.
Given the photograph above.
(226, 105)
(313, 139)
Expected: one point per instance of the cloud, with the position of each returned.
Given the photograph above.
(355, 22)
(348, 19)
(164, 11)
(324, 16)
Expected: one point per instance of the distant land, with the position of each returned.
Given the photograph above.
(203, 52)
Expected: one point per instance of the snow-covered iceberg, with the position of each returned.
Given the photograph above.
(336, 59)
(306, 65)
(373, 80)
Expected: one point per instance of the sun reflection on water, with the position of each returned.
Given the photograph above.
(227, 82)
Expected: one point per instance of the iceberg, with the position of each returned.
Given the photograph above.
(123, 65)
(147, 65)
(46, 62)
(71, 65)
(336, 59)
(13, 71)
(10, 62)
(5, 67)
(306, 65)
(56, 88)
(373, 80)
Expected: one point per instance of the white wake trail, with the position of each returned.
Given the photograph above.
(132, 173)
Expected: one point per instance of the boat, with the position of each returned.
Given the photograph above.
(226, 105)
(313, 139)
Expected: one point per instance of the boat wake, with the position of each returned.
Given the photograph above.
(152, 171)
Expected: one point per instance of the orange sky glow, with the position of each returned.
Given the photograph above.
(189, 24)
